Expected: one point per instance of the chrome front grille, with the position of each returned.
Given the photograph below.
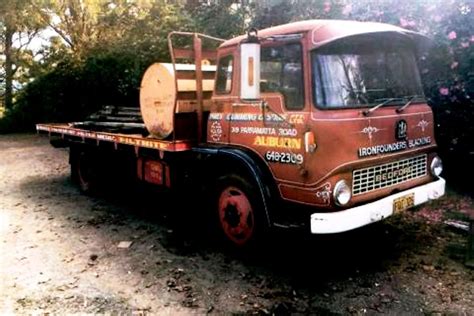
(382, 176)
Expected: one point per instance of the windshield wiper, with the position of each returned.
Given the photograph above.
(410, 100)
(367, 112)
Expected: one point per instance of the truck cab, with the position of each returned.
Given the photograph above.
(334, 111)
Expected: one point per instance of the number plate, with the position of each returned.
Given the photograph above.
(402, 203)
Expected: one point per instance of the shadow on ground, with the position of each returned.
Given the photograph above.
(294, 254)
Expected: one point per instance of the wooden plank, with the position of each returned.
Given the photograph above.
(192, 67)
(110, 124)
(110, 118)
(191, 95)
(198, 57)
(185, 106)
(121, 108)
(180, 53)
(192, 75)
(191, 85)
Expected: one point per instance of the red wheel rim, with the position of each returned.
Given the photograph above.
(236, 215)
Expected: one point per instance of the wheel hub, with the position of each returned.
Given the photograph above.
(236, 215)
(232, 216)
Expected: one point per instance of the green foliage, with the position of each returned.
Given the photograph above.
(19, 24)
(222, 19)
(272, 15)
(146, 37)
(78, 77)
(78, 23)
(73, 89)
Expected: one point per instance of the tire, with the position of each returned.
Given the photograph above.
(239, 210)
(84, 170)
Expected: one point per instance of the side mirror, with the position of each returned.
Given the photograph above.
(250, 67)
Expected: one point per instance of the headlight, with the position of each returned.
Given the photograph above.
(436, 166)
(342, 193)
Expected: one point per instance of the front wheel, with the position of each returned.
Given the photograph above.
(239, 211)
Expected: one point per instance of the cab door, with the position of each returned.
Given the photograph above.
(274, 126)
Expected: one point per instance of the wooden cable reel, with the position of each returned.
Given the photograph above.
(162, 88)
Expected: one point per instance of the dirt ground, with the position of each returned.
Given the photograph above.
(59, 253)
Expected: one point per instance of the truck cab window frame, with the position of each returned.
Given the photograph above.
(281, 70)
(224, 75)
(357, 72)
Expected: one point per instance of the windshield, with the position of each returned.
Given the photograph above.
(365, 71)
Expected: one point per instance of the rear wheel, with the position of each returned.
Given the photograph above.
(239, 211)
(84, 170)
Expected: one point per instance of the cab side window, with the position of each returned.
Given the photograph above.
(224, 75)
(282, 71)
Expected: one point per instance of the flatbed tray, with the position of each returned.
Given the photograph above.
(64, 130)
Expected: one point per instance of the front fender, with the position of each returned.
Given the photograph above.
(230, 159)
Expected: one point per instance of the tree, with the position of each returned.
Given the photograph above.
(75, 22)
(18, 26)
(147, 32)
(223, 19)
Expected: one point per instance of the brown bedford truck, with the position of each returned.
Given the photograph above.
(319, 124)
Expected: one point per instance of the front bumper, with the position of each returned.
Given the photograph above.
(336, 222)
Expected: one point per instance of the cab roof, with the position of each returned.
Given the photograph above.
(323, 31)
